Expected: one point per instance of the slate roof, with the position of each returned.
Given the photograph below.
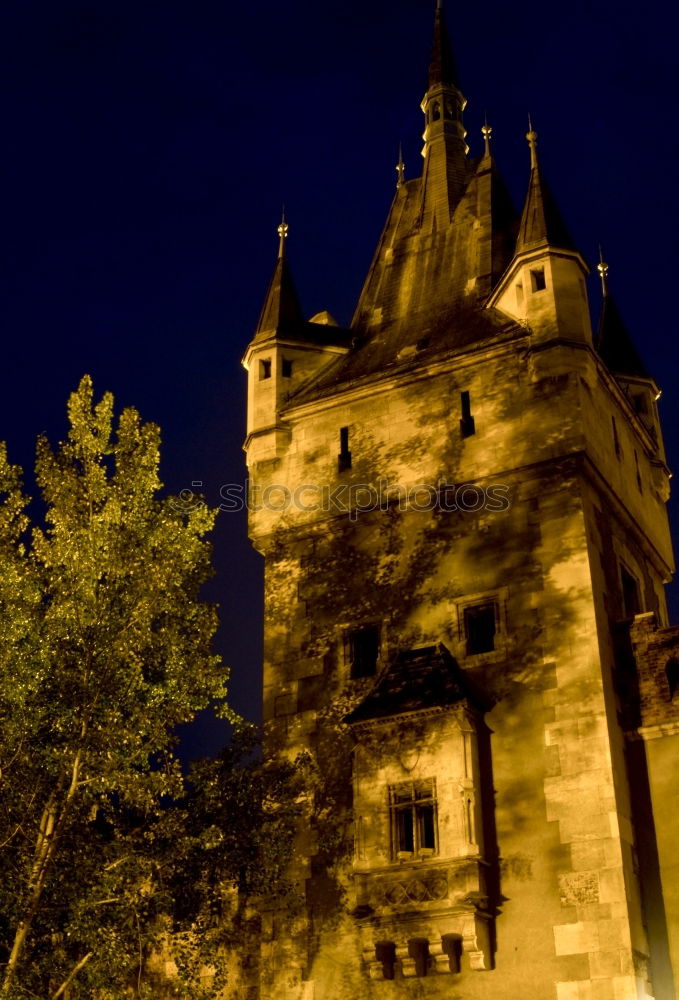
(422, 678)
(615, 344)
(442, 67)
(541, 220)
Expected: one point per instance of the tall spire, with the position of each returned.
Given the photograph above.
(445, 150)
(541, 221)
(281, 311)
(442, 68)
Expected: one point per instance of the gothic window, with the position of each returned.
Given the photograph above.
(265, 368)
(436, 111)
(480, 626)
(672, 674)
(286, 368)
(364, 650)
(344, 457)
(537, 279)
(413, 817)
(467, 427)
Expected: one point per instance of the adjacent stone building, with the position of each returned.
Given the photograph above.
(461, 505)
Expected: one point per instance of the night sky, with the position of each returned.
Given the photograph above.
(147, 148)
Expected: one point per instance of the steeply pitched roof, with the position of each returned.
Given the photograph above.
(442, 69)
(614, 343)
(422, 678)
(281, 311)
(541, 220)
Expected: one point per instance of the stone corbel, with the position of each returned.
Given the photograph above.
(476, 943)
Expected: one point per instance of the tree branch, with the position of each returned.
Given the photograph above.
(71, 976)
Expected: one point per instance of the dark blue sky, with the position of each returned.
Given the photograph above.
(147, 147)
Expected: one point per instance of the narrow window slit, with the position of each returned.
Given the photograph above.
(467, 426)
(344, 457)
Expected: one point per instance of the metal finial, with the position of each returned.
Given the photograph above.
(602, 268)
(439, 4)
(532, 137)
(400, 167)
(486, 132)
(282, 234)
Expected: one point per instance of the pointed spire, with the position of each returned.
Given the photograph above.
(400, 167)
(541, 221)
(442, 68)
(614, 342)
(281, 311)
(445, 149)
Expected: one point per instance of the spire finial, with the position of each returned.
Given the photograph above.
(282, 234)
(532, 137)
(400, 167)
(602, 268)
(486, 132)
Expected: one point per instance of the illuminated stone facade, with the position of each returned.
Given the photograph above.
(459, 499)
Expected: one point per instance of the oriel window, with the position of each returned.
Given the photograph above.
(413, 817)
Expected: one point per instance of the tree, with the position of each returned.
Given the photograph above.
(106, 648)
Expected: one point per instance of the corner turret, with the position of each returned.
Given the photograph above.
(544, 285)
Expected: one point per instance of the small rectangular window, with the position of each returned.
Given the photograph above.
(286, 368)
(537, 279)
(467, 427)
(413, 817)
(344, 457)
(265, 368)
(480, 626)
(616, 439)
(519, 294)
(364, 650)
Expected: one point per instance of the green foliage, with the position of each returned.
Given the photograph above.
(106, 648)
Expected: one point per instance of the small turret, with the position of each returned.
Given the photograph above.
(544, 285)
(285, 351)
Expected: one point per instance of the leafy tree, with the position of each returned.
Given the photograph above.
(105, 648)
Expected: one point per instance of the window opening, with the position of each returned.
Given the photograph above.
(364, 650)
(636, 465)
(467, 427)
(344, 457)
(630, 594)
(616, 439)
(385, 952)
(480, 625)
(452, 947)
(265, 368)
(672, 674)
(413, 817)
(418, 948)
(537, 279)
(286, 368)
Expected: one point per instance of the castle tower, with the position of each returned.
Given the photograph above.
(458, 501)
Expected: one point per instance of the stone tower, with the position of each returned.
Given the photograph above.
(459, 499)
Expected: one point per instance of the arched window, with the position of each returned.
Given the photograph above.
(436, 111)
(672, 674)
